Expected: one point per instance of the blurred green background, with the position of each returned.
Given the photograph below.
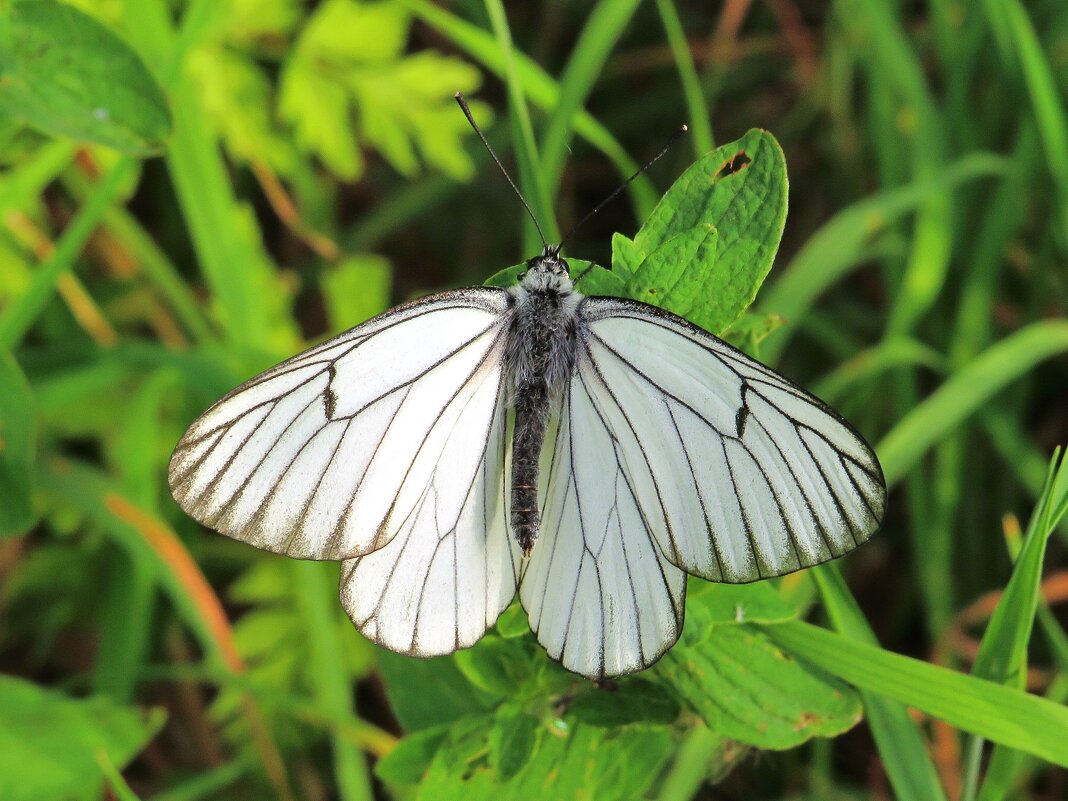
(191, 191)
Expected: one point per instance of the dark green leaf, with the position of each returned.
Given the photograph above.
(52, 746)
(631, 700)
(512, 741)
(69, 75)
(425, 692)
(747, 688)
(16, 448)
(410, 758)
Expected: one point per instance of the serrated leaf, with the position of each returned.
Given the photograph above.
(357, 289)
(512, 741)
(621, 764)
(626, 258)
(16, 448)
(630, 700)
(51, 746)
(411, 756)
(65, 73)
(369, 33)
(740, 189)
(749, 330)
(675, 276)
(236, 94)
(747, 688)
(318, 110)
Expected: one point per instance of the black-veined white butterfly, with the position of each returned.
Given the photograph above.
(587, 451)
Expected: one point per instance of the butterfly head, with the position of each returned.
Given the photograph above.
(548, 271)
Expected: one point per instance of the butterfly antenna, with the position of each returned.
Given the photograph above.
(467, 113)
(625, 184)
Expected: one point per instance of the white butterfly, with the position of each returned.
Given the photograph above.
(589, 451)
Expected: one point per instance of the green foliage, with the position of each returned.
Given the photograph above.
(53, 747)
(311, 175)
(66, 74)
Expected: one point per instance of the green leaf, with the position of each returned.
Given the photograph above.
(716, 604)
(357, 289)
(630, 700)
(411, 757)
(626, 258)
(739, 190)
(749, 330)
(998, 713)
(16, 448)
(513, 622)
(494, 665)
(512, 740)
(745, 687)
(67, 74)
(426, 692)
(52, 746)
(564, 764)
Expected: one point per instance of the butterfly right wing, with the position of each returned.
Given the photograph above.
(327, 455)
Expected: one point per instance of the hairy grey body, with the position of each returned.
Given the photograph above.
(540, 358)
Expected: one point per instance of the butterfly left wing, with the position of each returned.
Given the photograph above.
(600, 595)
(739, 474)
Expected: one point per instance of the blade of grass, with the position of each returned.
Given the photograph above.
(873, 362)
(17, 318)
(603, 27)
(532, 178)
(316, 588)
(542, 91)
(1002, 653)
(965, 391)
(839, 245)
(1001, 714)
(900, 742)
(1013, 28)
(207, 784)
(24, 183)
(700, 121)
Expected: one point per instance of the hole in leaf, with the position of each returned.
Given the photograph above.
(736, 163)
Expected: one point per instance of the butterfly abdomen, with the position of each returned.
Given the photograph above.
(540, 359)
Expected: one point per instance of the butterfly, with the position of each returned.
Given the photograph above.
(589, 452)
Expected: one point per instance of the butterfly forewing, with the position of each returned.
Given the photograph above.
(328, 455)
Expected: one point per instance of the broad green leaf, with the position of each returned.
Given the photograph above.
(715, 604)
(67, 74)
(675, 276)
(52, 746)
(745, 687)
(593, 279)
(564, 764)
(513, 622)
(629, 700)
(356, 290)
(738, 189)
(1001, 714)
(16, 448)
